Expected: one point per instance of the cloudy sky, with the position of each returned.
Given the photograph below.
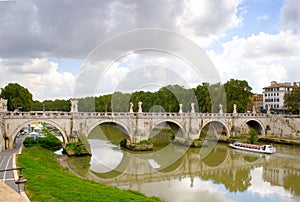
(49, 46)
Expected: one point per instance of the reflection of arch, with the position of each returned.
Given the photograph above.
(223, 153)
(218, 126)
(171, 123)
(52, 123)
(250, 159)
(120, 169)
(173, 167)
(256, 125)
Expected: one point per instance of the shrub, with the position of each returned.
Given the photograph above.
(123, 143)
(48, 142)
(253, 136)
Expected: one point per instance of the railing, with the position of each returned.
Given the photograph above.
(57, 114)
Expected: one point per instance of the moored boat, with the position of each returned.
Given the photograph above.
(267, 149)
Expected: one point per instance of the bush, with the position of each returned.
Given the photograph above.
(28, 142)
(123, 143)
(48, 142)
(77, 149)
(144, 142)
(253, 136)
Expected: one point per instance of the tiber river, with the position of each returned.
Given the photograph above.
(176, 173)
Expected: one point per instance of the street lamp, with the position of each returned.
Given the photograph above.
(21, 182)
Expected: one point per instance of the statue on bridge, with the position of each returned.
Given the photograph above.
(131, 107)
(193, 107)
(221, 108)
(74, 105)
(180, 108)
(3, 105)
(234, 109)
(269, 109)
(140, 107)
(253, 110)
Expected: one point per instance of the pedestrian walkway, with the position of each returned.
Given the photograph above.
(10, 195)
(8, 187)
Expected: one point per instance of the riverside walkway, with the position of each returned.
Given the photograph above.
(8, 187)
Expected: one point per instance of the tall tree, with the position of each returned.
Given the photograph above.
(237, 92)
(292, 101)
(18, 97)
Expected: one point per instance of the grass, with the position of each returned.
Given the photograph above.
(47, 181)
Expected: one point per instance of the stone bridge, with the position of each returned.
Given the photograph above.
(138, 125)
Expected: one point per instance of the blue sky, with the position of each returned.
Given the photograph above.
(46, 44)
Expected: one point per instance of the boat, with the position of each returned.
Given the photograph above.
(267, 149)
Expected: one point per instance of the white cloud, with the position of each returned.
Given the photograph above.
(206, 21)
(40, 76)
(260, 59)
(35, 29)
(264, 189)
(290, 16)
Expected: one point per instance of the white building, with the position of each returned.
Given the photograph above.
(273, 95)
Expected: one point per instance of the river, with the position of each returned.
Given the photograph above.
(176, 173)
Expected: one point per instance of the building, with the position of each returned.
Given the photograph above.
(273, 95)
(257, 101)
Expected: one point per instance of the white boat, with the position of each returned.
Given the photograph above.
(267, 149)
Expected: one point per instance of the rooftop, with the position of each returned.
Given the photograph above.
(274, 84)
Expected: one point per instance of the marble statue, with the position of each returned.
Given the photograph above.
(131, 107)
(140, 107)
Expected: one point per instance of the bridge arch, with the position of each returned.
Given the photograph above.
(52, 123)
(94, 125)
(256, 124)
(221, 126)
(156, 124)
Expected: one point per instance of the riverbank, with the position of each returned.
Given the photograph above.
(47, 180)
(280, 141)
(267, 139)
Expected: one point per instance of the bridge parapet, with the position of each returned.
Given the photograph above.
(58, 114)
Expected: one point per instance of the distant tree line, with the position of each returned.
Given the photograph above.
(207, 98)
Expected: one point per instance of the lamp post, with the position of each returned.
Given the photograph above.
(21, 182)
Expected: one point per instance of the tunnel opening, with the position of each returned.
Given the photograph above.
(111, 131)
(34, 130)
(164, 133)
(252, 124)
(214, 130)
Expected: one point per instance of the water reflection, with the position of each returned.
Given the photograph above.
(220, 174)
(106, 156)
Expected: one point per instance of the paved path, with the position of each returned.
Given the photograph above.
(7, 178)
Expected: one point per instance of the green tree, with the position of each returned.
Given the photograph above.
(237, 92)
(18, 97)
(292, 101)
(253, 136)
(203, 97)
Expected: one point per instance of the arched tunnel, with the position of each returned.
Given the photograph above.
(256, 126)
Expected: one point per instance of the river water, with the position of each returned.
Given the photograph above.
(176, 173)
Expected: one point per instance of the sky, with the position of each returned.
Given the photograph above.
(64, 49)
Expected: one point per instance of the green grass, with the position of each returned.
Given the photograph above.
(47, 180)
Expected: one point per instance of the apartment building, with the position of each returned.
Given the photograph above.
(273, 95)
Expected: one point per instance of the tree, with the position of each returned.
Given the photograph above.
(292, 101)
(203, 97)
(253, 136)
(237, 92)
(17, 97)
